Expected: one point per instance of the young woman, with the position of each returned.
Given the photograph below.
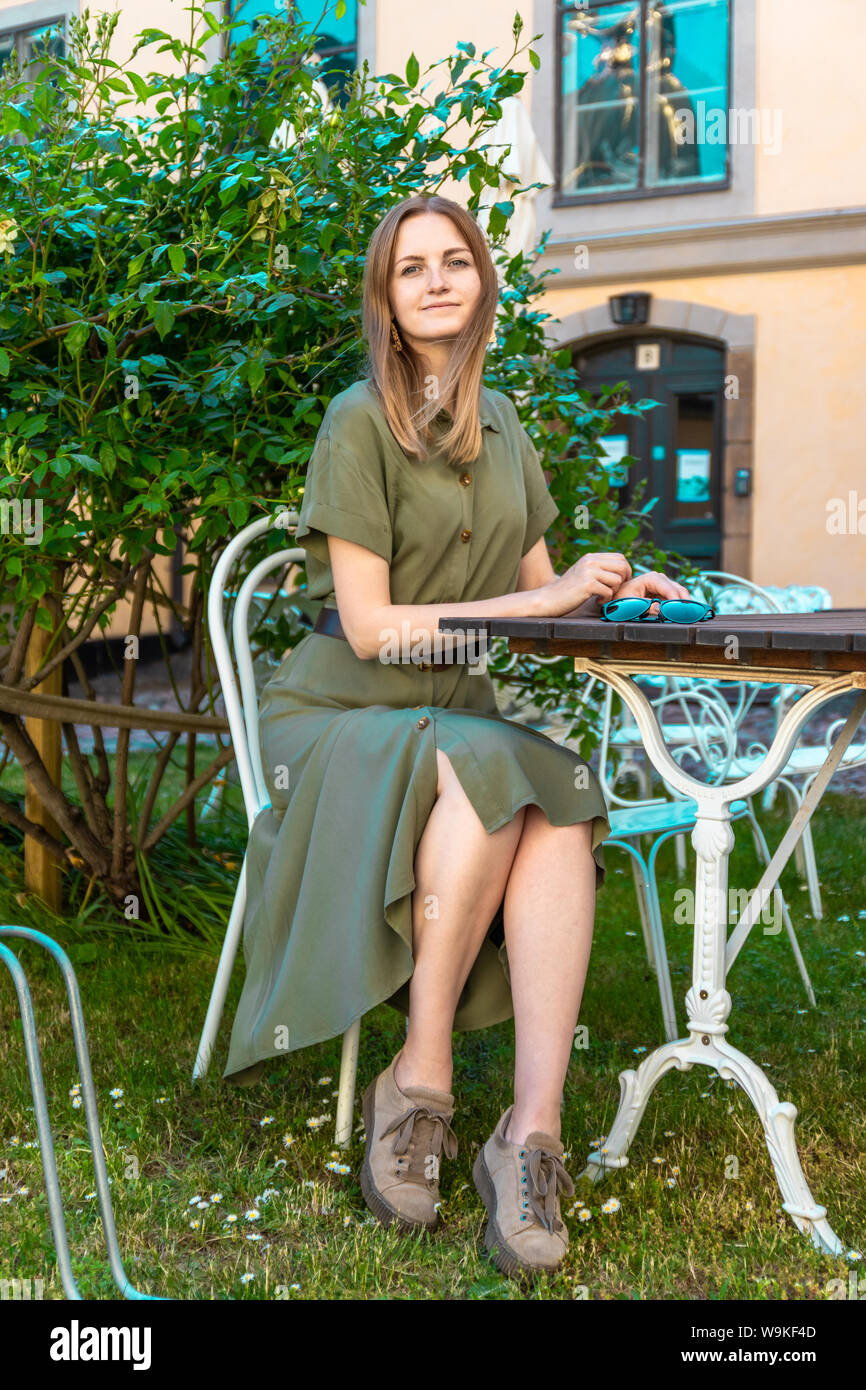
(421, 850)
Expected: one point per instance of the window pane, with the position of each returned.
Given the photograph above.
(600, 98)
(7, 47)
(332, 33)
(44, 42)
(693, 482)
(687, 91)
(335, 68)
(335, 33)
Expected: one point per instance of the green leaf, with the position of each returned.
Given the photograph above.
(75, 339)
(413, 69)
(255, 375)
(534, 59)
(177, 258)
(4, 362)
(163, 317)
(85, 461)
(143, 90)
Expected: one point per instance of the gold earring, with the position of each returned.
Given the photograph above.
(396, 340)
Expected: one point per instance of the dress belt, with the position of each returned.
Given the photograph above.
(328, 622)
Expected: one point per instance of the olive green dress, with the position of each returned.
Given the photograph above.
(349, 745)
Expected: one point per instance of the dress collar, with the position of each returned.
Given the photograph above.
(486, 415)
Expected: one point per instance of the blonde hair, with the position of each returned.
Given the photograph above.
(396, 377)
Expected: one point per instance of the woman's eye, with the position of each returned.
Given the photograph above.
(457, 260)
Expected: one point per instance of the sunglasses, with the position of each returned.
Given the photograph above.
(671, 610)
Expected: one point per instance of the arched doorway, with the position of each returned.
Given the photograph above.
(679, 443)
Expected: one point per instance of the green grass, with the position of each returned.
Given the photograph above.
(709, 1237)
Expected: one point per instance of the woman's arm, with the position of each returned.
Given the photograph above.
(363, 592)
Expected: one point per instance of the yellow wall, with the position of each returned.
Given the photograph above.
(810, 67)
(810, 412)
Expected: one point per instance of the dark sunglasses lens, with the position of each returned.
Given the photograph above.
(684, 610)
(625, 609)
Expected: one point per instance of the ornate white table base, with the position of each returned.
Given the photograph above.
(708, 1003)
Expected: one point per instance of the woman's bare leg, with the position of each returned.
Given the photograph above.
(460, 877)
(549, 911)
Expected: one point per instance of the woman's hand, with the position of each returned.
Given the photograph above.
(651, 585)
(597, 576)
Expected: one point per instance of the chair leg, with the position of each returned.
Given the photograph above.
(764, 852)
(812, 873)
(348, 1078)
(223, 977)
(638, 868)
(799, 852)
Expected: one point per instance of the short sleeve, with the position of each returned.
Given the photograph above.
(541, 510)
(345, 496)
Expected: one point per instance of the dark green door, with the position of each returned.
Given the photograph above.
(678, 444)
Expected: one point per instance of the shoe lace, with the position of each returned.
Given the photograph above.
(425, 1132)
(547, 1178)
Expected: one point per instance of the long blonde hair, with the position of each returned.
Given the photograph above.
(395, 376)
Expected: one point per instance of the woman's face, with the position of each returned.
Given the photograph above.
(435, 284)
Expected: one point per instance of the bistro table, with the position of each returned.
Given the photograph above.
(825, 651)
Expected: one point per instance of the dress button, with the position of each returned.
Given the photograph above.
(422, 723)
(466, 479)
(464, 535)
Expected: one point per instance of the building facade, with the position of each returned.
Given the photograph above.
(707, 220)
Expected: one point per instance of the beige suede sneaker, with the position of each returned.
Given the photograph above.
(407, 1131)
(519, 1185)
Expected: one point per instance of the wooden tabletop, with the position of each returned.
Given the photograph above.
(833, 639)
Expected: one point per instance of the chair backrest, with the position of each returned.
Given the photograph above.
(800, 598)
(239, 694)
(731, 593)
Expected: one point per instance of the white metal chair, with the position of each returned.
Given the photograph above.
(242, 711)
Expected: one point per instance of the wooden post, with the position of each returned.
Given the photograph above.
(41, 872)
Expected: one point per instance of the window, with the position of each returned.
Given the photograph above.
(336, 39)
(31, 42)
(643, 98)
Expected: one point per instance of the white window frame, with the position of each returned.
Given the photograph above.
(19, 21)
